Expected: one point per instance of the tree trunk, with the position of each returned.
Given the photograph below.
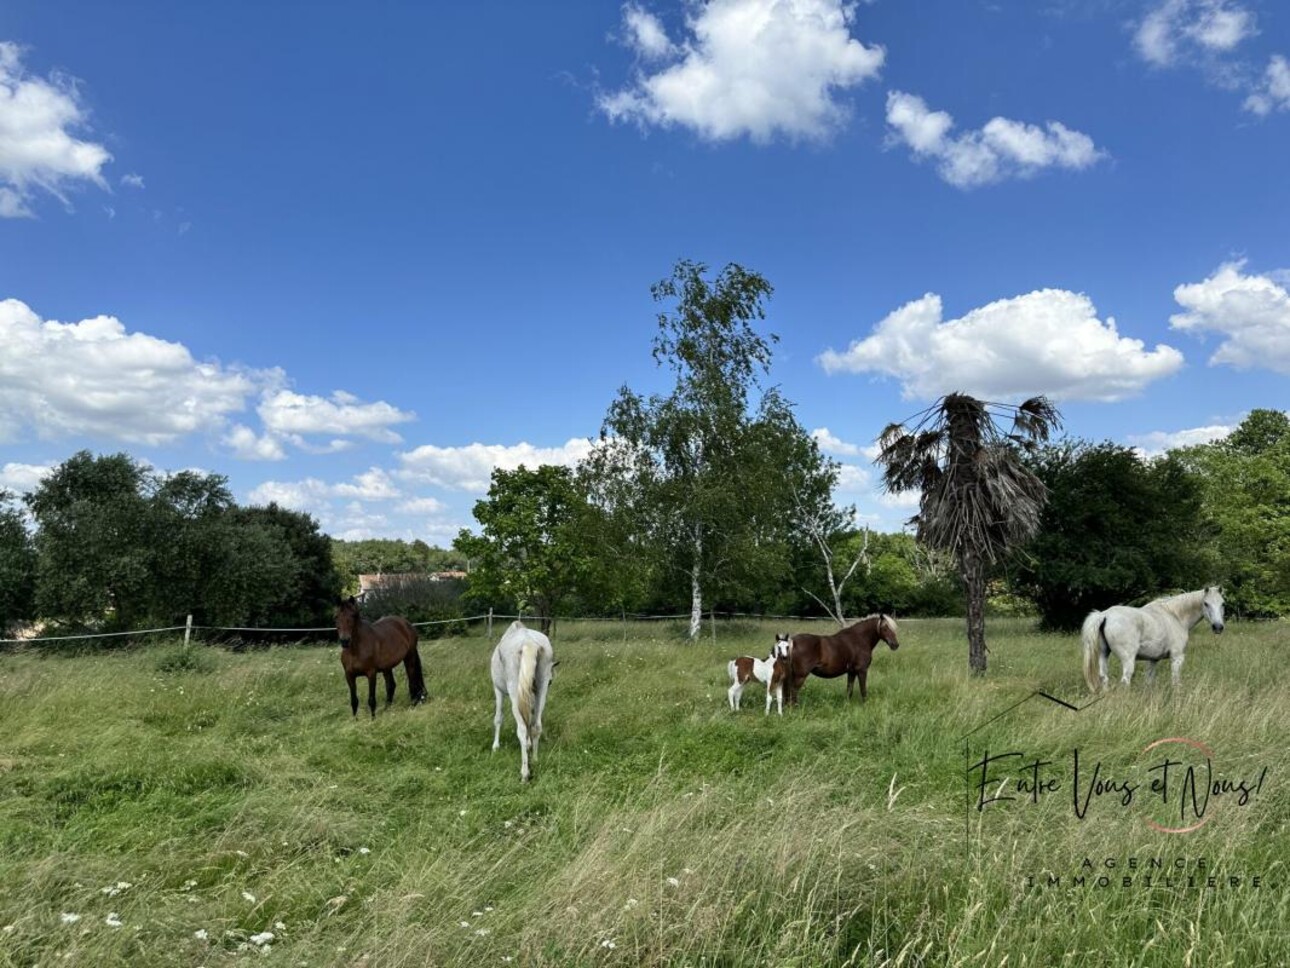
(696, 603)
(973, 571)
(696, 589)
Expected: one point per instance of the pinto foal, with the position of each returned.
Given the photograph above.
(772, 670)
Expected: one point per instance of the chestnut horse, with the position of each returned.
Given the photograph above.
(367, 648)
(849, 651)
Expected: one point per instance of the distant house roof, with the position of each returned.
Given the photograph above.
(447, 575)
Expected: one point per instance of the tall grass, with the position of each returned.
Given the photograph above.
(235, 795)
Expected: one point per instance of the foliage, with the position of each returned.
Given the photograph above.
(419, 598)
(17, 565)
(703, 477)
(1116, 529)
(118, 546)
(374, 556)
(978, 498)
(531, 548)
(1245, 483)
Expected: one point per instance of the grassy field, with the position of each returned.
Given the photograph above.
(200, 799)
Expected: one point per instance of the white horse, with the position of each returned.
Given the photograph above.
(772, 670)
(1150, 633)
(523, 666)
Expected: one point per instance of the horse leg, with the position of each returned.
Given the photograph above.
(497, 717)
(1151, 672)
(1175, 667)
(539, 704)
(371, 692)
(797, 685)
(851, 681)
(522, 731)
(353, 692)
(863, 676)
(733, 694)
(1126, 668)
(389, 686)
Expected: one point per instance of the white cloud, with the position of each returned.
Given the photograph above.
(132, 180)
(1272, 92)
(1158, 441)
(37, 147)
(1179, 29)
(95, 378)
(470, 468)
(1001, 149)
(288, 413)
(904, 501)
(758, 68)
(22, 478)
(423, 505)
(312, 494)
(645, 33)
(373, 484)
(246, 444)
(830, 443)
(852, 479)
(1050, 341)
(1250, 312)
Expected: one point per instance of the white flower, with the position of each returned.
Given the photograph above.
(365, 850)
(465, 924)
(70, 918)
(673, 882)
(200, 934)
(476, 914)
(113, 920)
(686, 870)
(189, 885)
(241, 853)
(608, 944)
(631, 903)
(461, 813)
(489, 908)
(263, 938)
(482, 932)
(248, 896)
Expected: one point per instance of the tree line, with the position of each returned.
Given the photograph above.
(711, 497)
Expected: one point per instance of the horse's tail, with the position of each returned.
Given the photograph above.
(416, 676)
(528, 673)
(1093, 637)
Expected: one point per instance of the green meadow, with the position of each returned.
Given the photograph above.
(172, 807)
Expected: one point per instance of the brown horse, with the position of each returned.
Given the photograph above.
(849, 651)
(367, 648)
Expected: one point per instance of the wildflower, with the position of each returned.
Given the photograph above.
(461, 813)
(509, 823)
(248, 897)
(608, 944)
(200, 934)
(113, 920)
(261, 939)
(189, 885)
(241, 853)
(476, 914)
(631, 903)
(673, 882)
(68, 918)
(279, 926)
(112, 890)
(686, 870)
(364, 850)
(482, 932)
(489, 908)
(465, 924)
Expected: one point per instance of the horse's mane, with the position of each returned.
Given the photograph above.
(880, 615)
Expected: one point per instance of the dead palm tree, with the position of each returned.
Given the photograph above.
(978, 500)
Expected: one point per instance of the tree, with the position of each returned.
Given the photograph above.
(1245, 482)
(1116, 527)
(305, 585)
(17, 565)
(531, 548)
(978, 499)
(709, 474)
(94, 547)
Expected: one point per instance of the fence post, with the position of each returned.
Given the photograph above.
(490, 623)
(188, 629)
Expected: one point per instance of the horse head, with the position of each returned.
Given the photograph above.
(1212, 606)
(780, 649)
(887, 631)
(347, 620)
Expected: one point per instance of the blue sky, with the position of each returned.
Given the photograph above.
(354, 256)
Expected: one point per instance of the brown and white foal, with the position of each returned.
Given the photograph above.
(772, 670)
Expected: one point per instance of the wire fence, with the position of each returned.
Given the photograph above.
(490, 617)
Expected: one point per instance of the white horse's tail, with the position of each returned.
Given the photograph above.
(528, 673)
(1094, 639)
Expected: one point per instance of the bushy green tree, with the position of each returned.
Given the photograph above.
(1117, 528)
(17, 565)
(94, 551)
(1245, 483)
(531, 548)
